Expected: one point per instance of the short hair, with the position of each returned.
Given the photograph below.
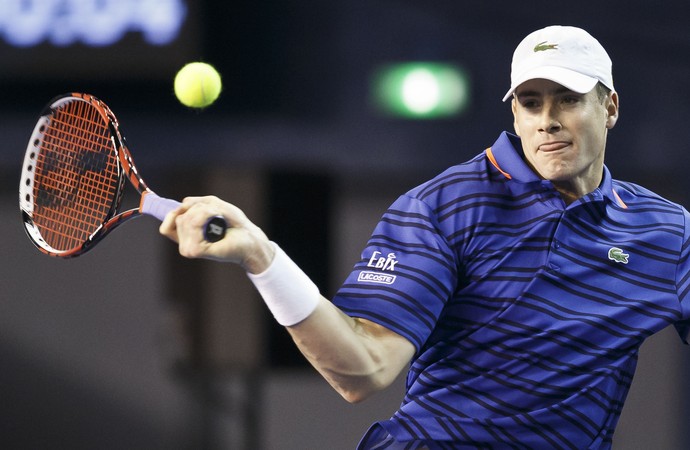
(602, 91)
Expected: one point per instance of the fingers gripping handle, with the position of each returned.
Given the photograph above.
(159, 207)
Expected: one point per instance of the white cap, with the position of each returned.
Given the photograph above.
(568, 56)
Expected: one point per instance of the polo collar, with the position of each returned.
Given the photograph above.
(506, 156)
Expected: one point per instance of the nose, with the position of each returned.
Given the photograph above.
(549, 120)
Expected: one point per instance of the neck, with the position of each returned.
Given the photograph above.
(571, 191)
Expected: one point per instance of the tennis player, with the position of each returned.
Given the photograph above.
(515, 288)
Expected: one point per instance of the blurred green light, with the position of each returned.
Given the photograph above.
(422, 90)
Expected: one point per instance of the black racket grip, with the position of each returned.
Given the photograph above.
(215, 229)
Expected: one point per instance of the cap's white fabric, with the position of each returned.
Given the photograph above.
(568, 56)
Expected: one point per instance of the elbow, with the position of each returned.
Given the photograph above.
(355, 396)
(356, 391)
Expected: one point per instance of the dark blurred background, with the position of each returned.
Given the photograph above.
(131, 346)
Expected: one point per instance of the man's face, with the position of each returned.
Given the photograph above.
(563, 133)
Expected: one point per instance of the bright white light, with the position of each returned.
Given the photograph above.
(420, 91)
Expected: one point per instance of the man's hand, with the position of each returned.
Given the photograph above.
(244, 243)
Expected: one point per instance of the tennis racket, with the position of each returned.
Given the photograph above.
(73, 179)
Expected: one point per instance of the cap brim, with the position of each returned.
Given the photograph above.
(574, 81)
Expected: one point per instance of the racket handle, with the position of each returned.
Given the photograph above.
(159, 207)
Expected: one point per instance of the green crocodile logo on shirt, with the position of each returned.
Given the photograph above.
(617, 255)
(543, 46)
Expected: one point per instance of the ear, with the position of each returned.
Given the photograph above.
(612, 107)
(513, 107)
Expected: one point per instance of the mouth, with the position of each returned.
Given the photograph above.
(553, 146)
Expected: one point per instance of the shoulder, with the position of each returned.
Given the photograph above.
(644, 206)
(447, 184)
(634, 195)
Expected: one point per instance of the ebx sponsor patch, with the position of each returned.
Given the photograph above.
(382, 264)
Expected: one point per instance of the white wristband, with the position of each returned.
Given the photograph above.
(289, 293)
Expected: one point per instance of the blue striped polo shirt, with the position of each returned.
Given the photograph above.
(527, 314)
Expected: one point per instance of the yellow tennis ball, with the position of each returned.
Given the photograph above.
(197, 85)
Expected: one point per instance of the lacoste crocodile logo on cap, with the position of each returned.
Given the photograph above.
(543, 46)
(617, 255)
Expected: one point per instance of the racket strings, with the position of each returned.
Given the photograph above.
(77, 176)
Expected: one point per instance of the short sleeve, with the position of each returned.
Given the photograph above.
(683, 282)
(406, 274)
